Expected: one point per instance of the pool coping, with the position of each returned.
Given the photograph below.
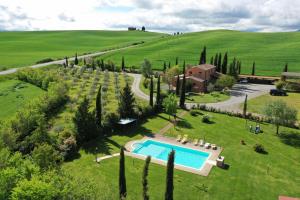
(203, 171)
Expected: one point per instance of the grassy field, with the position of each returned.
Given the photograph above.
(250, 175)
(270, 51)
(14, 94)
(256, 105)
(26, 48)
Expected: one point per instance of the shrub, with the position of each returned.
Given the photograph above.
(225, 81)
(259, 148)
(193, 112)
(68, 147)
(206, 118)
(280, 85)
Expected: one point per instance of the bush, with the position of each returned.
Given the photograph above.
(68, 148)
(193, 112)
(206, 118)
(225, 81)
(280, 85)
(259, 148)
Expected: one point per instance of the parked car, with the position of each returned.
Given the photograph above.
(276, 92)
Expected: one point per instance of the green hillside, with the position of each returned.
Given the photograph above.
(270, 51)
(25, 48)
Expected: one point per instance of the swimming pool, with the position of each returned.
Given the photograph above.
(183, 156)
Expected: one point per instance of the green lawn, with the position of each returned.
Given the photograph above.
(14, 94)
(256, 105)
(25, 48)
(270, 51)
(250, 175)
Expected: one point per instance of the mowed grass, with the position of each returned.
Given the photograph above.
(270, 51)
(257, 105)
(14, 94)
(250, 175)
(26, 48)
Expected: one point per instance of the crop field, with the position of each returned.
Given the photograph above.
(270, 51)
(26, 48)
(14, 94)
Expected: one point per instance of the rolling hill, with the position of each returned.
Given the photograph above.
(26, 48)
(270, 51)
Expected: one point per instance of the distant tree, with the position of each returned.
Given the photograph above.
(245, 107)
(253, 69)
(122, 178)
(99, 108)
(143, 28)
(169, 178)
(76, 60)
(123, 64)
(170, 105)
(219, 62)
(164, 67)
(151, 92)
(224, 64)
(285, 68)
(212, 60)
(158, 100)
(146, 68)
(144, 180)
(176, 61)
(177, 85)
(280, 114)
(126, 106)
(182, 94)
(66, 61)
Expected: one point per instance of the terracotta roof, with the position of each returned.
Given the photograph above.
(205, 66)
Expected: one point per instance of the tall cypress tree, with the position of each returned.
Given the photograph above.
(176, 61)
(99, 108)
(66, 61)
(122, 178)
(76, 60)
(204, 55)
(285, 68)
(224, 64)
(126, 104)
(245, 107)
(212, 60)
(169, 178)
(158, 101)
(216, 61)
(102, 65)
(151, 92)
(182, 95)
(253, 69)
(177, 85)
(169, 66)
(144, 180)
(219, 62)
(123, 64)
(165, 67)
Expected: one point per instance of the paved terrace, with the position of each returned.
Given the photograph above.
(204, 171)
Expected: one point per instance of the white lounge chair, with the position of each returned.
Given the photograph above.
(201, 143)
(214, 147)
(179, 137)
(207, 145)
(184, 139)
(196, 142)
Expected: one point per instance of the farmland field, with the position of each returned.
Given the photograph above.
(270, 51)
(26, 48)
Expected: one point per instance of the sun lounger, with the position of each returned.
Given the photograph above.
(201, 143)
(207, 145)
(179, 137)
(214, 147)
(196, 142)
(184, 140)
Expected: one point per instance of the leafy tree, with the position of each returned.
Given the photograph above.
(122, 178)
(170, 74)
(146, 68)
(151, 92)
(177, 85)
(144, 180)
(280, 114)
(76, 60)
(182, 94)
(253, 69)
(123, 64)
(126, 103)
(158, 100)
(143, 28)
(170, 105)
(46, 157)
(224, 64)
(245, 107)
(225, 81)
(169, 178)
(99, 108)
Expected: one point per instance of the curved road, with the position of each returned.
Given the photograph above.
(237, 94)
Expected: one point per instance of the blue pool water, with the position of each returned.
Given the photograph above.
(183, 156)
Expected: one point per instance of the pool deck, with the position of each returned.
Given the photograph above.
(204, 171)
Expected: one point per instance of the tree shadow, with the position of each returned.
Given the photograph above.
(184, 124)
(290, 138)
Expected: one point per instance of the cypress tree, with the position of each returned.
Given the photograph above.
(182, 95)
(84, 61)
(245, 107)
(169, 66)
(99, 108)
(126, 104)
(176, 61)
(216, 61)
(224, 64)
(158, 92)
(253, 69)
(123, 64)
(76, 60)
(177, 85)
(122, 178)
(67, 62)
(169, 178)
(212, 60)
(151, 92)
(204, 55)
(285, 68)
(165, 67)
(219, 62)
(102, 65)
(144, 180)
